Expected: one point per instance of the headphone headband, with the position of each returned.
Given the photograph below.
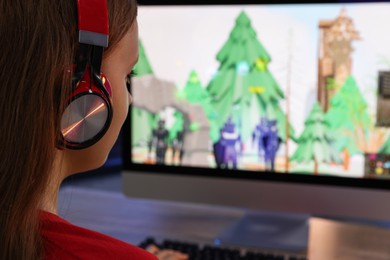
(93, 22)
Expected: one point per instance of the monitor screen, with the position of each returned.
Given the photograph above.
(290, 93)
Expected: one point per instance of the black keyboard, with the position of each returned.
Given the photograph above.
(206, 252)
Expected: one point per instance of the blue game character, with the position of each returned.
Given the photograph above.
(271, 143)
(226, 149)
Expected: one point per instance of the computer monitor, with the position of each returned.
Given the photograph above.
(271, 105)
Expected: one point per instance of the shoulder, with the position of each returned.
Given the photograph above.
(63, 240)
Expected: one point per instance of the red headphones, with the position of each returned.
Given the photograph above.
(89, 112)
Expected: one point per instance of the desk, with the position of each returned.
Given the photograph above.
(132, 220)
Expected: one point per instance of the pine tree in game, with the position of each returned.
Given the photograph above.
(143, 66)
(385, 149)
(195, 93)
(349, 120)
(244, 88)
(316, 142)
(144, 120)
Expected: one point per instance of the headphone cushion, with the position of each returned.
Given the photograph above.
(88, 116)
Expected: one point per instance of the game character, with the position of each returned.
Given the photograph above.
(257, 136)
(270, 141)
(178, 147)
(226, 149)
(159, 141)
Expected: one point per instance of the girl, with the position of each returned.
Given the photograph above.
(59, 116)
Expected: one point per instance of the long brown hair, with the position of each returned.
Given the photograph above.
(37, 44)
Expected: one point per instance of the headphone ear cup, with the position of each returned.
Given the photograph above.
(88, 116)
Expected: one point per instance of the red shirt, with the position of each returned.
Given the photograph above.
(63, 240)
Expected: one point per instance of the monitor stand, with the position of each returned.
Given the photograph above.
(268, 230)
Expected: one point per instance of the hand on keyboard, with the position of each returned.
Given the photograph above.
(166, 254)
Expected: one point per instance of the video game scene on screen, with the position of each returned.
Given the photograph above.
(287, 89)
